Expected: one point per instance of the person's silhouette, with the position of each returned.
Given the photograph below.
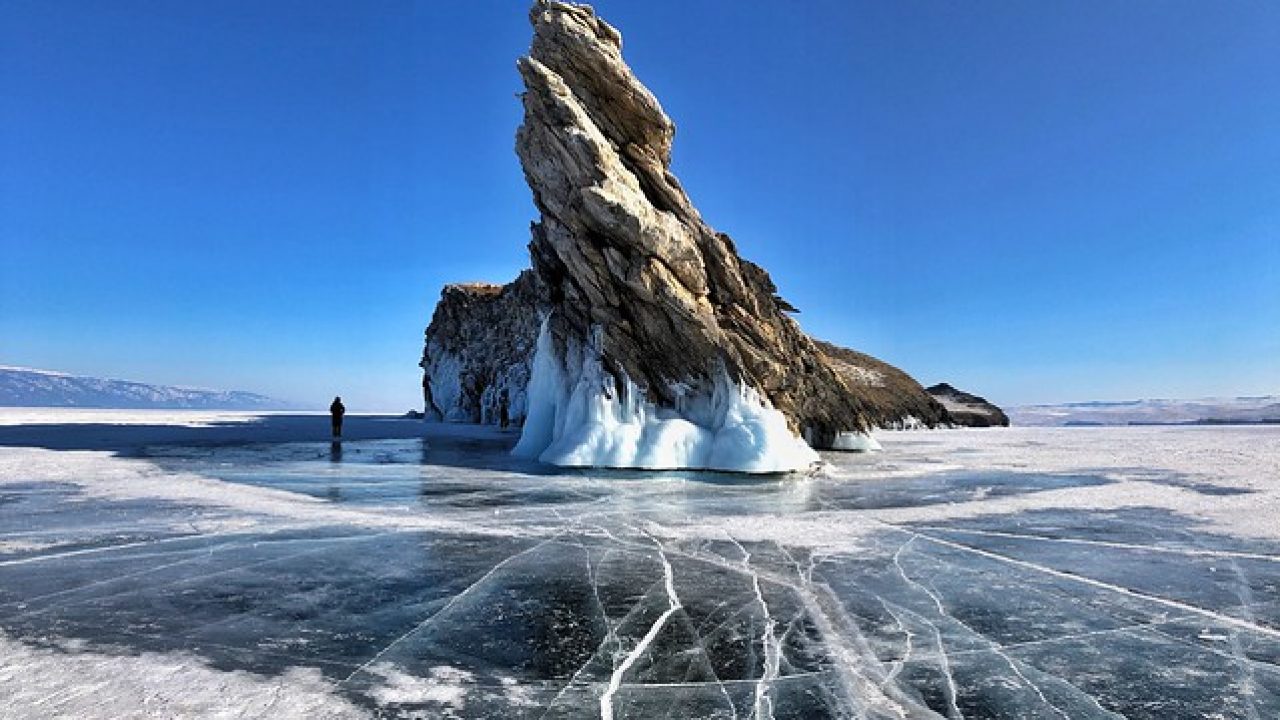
(336, 411)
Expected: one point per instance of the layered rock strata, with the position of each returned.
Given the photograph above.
(636, 280)
(658, 345)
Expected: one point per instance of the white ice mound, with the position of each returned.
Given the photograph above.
(578, 418)
(856, 442)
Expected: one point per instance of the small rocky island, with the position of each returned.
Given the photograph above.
(639, 337)
(968, 409)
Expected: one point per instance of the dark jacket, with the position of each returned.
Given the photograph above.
(337, 409)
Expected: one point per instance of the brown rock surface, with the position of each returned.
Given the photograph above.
(627, 271)
(893, 398)
(968, 409)
(621, 248)
(478, 347)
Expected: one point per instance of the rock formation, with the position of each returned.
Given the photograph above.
(967, 409)
(478, 348)
(893, 398)
(659, 345)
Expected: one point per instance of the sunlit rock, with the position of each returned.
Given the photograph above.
(659, 345)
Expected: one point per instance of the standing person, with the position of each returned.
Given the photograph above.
(336, 411)
(504, 413)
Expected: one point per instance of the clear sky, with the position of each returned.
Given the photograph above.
(1036, 201)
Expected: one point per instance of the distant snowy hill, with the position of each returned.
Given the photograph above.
(1238, 410)
(25, 387)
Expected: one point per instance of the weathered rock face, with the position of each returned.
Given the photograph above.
(967, 409)
(623, 253)
(893, 398)
(478, 349)
(481, 339)
(656, 344)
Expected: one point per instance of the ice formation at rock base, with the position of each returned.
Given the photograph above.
(623, 263)
(855, 442)
(579, 417)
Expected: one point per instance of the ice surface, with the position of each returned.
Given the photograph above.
(577, 418)
(240, 568)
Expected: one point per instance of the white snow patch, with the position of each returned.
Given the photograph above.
(1140, 464)
(64, 679)
(23, 545)
(907, 422)
(35, 371)
(863, 376)
(443, 685)
(516, 694)
(10, 416)
(1151, 467)
(578, 418)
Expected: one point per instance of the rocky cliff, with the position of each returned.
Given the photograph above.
(894, 398)
(478, 350)
(659, 345)
(968, 409)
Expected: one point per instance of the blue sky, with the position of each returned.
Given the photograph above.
(1034, 201)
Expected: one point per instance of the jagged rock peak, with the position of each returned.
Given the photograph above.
(656, 344)
(584, 51)
(633, 275)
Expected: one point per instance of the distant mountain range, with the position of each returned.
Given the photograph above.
(1250, 410)
(26, 387)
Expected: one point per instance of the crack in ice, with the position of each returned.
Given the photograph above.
(1194, 552)
(108, 548)
(1119, 589)
(897, 665)
(1248, 681)
(180, 581)
(997, 650)
(944, 662)
(854, 657)
(452, 601)
(763, 708)
(606, 699)
(203, 552)
(610, 633)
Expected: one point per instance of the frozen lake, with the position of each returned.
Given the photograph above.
(169, 564)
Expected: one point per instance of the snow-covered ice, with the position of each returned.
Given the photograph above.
(201, 564)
